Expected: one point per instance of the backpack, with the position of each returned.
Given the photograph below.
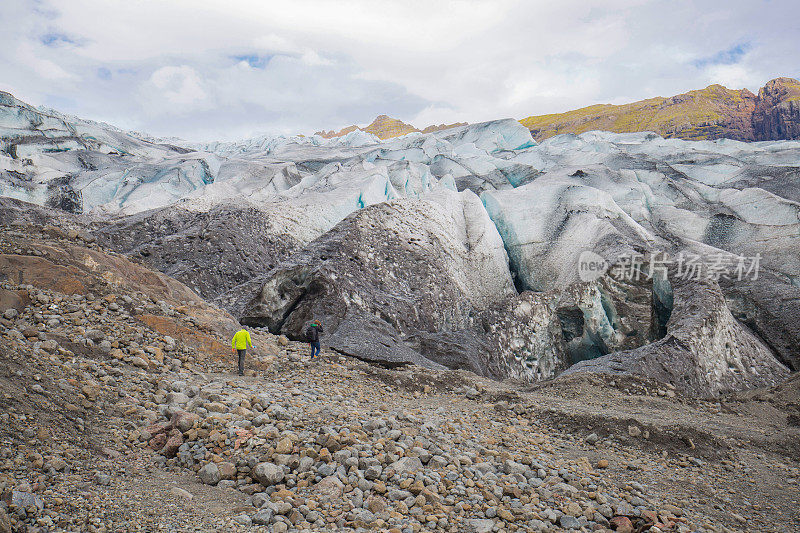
(311, 333)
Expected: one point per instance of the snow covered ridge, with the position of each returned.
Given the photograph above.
(51, 159)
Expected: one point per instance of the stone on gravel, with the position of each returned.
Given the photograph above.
(406, 465)
(569, 522)
(209, 474)
(243, 519)
(373, 472)
(513, 467)
(139, 362)
(262, 517)
(268, 474)
(172, 444)
(329, 488)
(22, 498)
(177, 491)
(185, 421)
(284, 446)
(479, 525)
(622, 524)
(178, 398)
(95, 335)
(227, 470)
(5, 523)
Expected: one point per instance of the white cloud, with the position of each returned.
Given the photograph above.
(208, 68)
(276, 43)
(310, 57)
(45, 68)
(435, 115)
(732, 76)
(177, 87)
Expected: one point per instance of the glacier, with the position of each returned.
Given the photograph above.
(458, 248)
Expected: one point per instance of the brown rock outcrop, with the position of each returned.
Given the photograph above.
(777, 111)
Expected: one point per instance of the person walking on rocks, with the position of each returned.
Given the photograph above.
(239, 344)
(312, 336)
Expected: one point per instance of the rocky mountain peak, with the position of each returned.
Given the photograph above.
(786, 86)
(777, 111)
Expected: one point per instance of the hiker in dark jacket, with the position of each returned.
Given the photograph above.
(312, 335)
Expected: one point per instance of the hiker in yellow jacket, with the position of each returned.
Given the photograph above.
(239, 344)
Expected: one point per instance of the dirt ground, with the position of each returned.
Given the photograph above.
(69, 416)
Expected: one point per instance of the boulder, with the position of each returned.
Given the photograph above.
(262, 517)
(5, 522)
(478, 525)
(25, 499)
(174, 441)
(14, 301)
(177, 398)
(95, 335)
(227, 470)
(268, 474)
(406, 465)
(184, 421)
(329, 488)
(209, 474)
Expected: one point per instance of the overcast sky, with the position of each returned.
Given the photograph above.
(230, 69)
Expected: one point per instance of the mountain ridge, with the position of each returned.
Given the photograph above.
(386, 127)
(704, 114)
(714, 112)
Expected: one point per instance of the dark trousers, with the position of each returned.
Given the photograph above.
(314, 349)
(241, 360)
